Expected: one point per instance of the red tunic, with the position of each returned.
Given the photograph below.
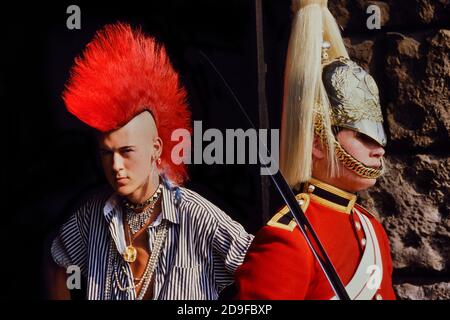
(280, 265)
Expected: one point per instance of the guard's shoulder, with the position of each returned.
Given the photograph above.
(367, 212)
(283, 219)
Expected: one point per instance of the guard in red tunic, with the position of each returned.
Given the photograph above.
(331, 147)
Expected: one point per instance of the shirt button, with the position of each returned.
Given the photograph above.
(378, 297)
(363, 242)
(357, 225)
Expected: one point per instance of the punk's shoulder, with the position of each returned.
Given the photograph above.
(90, 203)
(194, 205)
(186, 197)
(97, 199)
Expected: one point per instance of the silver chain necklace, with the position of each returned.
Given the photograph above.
(137, 220)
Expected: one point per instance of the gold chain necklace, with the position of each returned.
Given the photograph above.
(151, 263)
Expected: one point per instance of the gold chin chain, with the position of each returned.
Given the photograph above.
(356, 166)
(343, 156)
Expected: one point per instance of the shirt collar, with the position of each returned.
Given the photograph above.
(170, 200)
(111, 206)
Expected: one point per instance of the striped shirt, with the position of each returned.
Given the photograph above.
(203, 247)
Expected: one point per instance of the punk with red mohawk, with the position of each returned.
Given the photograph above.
(122, 73)
(141, 240)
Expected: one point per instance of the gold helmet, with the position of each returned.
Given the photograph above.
(324, 92)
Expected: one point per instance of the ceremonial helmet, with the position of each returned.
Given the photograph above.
(324, 92)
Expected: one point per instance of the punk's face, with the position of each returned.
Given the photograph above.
(128, 154)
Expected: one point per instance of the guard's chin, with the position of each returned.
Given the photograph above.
(362, 183)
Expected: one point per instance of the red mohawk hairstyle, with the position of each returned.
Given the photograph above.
(122, 73)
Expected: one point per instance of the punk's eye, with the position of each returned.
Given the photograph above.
(128, 150)
(104, 152)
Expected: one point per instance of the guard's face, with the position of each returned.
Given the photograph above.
(364, 149)
(129, 154)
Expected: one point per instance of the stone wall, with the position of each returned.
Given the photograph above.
(410, 59)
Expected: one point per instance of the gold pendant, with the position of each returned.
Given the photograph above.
(130, 254)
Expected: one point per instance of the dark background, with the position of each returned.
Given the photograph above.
(49, 162)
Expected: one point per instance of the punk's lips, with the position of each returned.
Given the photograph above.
(119, 179)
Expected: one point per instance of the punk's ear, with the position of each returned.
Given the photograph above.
(158, 147)
(318, 149)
